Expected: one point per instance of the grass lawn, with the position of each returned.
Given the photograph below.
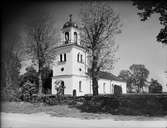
(65, 111)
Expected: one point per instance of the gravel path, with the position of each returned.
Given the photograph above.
(43, 120)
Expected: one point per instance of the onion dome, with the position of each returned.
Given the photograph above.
(70, 23)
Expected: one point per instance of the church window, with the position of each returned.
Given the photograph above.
(80, 86)
(66, 37)
(80, 58)
(75, 37)
(63, 57)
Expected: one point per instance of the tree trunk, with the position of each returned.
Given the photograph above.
(40, 83)
(94, 76)
(95, 86)
(138, 89)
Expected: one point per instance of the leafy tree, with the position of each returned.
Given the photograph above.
(155, 86)
(100, 24)
(27, 90)
(30, 75)
(39, 44)
(139, 75)
(135, 77)
(150, 7)
(29, 82)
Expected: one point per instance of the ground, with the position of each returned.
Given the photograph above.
(25, 115)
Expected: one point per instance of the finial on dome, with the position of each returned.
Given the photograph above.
(70, 16)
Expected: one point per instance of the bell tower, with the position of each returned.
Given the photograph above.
(70, 66)
(70, 33)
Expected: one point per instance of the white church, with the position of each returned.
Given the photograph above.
(71, 67)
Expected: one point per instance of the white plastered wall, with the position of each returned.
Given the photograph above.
(77, 65)
(105, 86)
(66, 65)
(84, 85)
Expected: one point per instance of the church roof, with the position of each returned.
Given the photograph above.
(107, 76)
(70, 23)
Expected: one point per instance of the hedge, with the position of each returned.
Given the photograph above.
(144, 104)
(52, 99)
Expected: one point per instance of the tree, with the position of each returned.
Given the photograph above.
(126, 76)
(99, 24)
(40, 43)
(10, 67)
(155, 87)
(28, 83)
(139, 75)
(30, 75)
(150, 7)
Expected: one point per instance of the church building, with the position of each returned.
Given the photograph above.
(71, 67)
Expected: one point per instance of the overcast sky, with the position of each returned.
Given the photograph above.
(137, 42)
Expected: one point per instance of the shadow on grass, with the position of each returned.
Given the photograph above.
(135, 106)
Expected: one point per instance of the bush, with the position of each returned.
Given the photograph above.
(53, 99)
(155, 89)
(27, 90)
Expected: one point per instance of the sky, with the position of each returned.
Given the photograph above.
(137, 42)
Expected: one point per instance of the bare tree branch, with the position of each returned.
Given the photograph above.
(39, 44)
(100, 24)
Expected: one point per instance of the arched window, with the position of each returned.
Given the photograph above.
(64, 56)
(75, 37)
(81, 59)
(66, 37)
(61, 58)
(78, 57)
(80, 86)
